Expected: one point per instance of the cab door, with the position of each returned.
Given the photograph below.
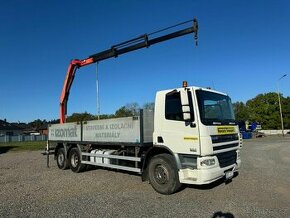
(180, 129)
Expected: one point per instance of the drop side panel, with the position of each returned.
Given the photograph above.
(121, 130)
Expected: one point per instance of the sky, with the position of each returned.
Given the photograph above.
(244, 48)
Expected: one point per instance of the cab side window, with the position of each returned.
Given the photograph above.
(173, 107)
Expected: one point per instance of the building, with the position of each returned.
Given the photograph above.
(9, 129)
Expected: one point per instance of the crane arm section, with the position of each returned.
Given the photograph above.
(143, 41)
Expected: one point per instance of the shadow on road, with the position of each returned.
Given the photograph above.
(220, 214)
(5, 149)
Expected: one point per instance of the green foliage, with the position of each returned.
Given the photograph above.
(106, 116)
(77, 117)
(241, 111)
(149, 106)
(23, 146)
(128, 110)
(285, 102)
(38, 124)
(264, 109)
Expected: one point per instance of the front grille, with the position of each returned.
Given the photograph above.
(227, 158)
(224, 138)
(216, 148)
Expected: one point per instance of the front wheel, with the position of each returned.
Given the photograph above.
(163, 174)
(75, 161)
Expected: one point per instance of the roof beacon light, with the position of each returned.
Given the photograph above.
(184, 84)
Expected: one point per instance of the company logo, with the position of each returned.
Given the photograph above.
(222, 130)
(65, 132)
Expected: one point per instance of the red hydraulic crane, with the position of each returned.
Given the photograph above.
(144, 41)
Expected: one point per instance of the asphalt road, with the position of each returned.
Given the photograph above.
(262, 189)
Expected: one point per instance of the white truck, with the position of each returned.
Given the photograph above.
(189, 138)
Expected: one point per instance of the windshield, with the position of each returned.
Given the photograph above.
(215, 109)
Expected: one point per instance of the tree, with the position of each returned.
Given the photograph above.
(77, 117)
(149, 106)
(241, 111)
(285, 102)
(106, 116)
(264, 108)
(128, 110)
(38, 124)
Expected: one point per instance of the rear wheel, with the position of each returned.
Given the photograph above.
(163, 174)
(61, 159)
(75, 161)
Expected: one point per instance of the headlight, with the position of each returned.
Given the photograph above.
(207, 162)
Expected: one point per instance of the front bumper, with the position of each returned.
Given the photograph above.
(206, 175)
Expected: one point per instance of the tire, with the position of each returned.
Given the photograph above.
(75, 161)
(61, 159)
(163, 175)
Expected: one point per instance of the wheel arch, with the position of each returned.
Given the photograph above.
(153, 151)
(58, 146)
(66, 146)
(71, 146)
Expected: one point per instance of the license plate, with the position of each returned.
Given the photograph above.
(229, 174)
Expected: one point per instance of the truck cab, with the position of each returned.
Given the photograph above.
(197, 125)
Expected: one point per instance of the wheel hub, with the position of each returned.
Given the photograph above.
(60, 158)
(161, 174)
(74, 160)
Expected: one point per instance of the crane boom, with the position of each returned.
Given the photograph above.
(143, 41)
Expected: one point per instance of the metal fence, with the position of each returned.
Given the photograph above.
(22, 138)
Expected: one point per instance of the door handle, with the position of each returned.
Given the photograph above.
(192, 125)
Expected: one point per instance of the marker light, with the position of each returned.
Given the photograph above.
(184, 84)
(238, 155)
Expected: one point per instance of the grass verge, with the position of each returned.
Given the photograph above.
(22, 146)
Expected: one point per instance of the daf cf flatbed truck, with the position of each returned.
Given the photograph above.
(189, 138)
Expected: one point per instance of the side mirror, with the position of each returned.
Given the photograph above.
(185, 105)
